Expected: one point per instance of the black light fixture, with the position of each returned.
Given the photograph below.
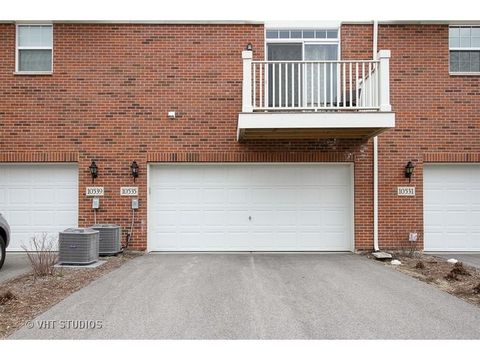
(249, 47)
(409, 170)
(134, 170)
(93, 170)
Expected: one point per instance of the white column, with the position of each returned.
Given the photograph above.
(384, 80)
(247, 56)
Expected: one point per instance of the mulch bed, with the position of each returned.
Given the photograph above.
(23, 298)
(460, 280)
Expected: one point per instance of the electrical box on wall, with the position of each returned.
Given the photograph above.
(412, 237)
(95, 203)
(135, 203)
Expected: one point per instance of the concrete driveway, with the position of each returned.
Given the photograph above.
(16, 264)
(257, 296)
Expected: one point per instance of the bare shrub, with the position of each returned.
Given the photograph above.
(476, 289)
(6, 297)
(42, 255)
(451, 276)
(420, 265)
(460, 270)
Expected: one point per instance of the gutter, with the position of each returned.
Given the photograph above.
(377, 253)
(375, 156)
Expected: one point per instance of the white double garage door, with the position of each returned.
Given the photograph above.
(250, 207)
(243, 207)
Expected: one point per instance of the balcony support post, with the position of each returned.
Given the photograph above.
(247, 106)
(383, 57)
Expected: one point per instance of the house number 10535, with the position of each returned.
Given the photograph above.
(129, 191)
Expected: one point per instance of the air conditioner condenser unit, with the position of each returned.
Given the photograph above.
(78, 246)
(110, 238)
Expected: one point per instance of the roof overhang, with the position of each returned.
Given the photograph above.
(313, 125)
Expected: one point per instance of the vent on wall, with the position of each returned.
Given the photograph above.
(78, 246)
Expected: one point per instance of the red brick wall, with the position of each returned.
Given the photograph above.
(108, 100)
(113, 85)
(437, 118)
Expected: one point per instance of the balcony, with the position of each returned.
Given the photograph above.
(315, 99)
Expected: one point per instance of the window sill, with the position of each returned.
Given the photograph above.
(33, 73)
(464, 73)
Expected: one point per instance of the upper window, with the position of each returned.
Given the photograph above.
(34, 48)
(464, 45)
(302, 34)
(301, 84)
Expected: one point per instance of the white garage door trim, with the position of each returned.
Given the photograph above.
(350, 227)
(37, 198)
(451, 215)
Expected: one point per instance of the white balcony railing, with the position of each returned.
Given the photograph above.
(316, 85)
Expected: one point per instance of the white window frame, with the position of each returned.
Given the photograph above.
(17, 48)
(303, 41)
(461, 73)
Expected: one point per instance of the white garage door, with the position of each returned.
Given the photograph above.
(452, 207)
(38, 198)
(255, 207)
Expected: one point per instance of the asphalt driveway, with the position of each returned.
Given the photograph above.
(16, 264)
(257, 296)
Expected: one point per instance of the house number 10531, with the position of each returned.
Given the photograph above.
(406, 191)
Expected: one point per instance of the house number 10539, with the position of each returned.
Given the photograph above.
(94, 191)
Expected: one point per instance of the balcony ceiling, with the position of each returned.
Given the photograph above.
(313, 125)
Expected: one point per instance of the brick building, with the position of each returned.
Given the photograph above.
(247, 136)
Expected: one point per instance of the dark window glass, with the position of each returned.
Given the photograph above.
(465, 61)
(308, 34)
(332, 34)
(272, 34)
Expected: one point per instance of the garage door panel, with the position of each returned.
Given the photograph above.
(17, 196)
(38, 198)
(334, 195)
(433, 218)
(17, 218)
(333, 217)
(66, 217)
(67, 196)
(43, 196)
(451, 211)
(215, 207)
(458, 197)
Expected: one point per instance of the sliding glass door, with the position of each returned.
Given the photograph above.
(320, 78)
(295, 84)
(284, 79)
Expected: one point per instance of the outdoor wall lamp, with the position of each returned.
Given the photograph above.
(134, 170)
(409, 170)
(249, 47)
(93, 170)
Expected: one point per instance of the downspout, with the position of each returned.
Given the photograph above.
(375, 157)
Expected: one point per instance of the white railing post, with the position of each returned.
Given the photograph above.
(383, 57)
(247, 56)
